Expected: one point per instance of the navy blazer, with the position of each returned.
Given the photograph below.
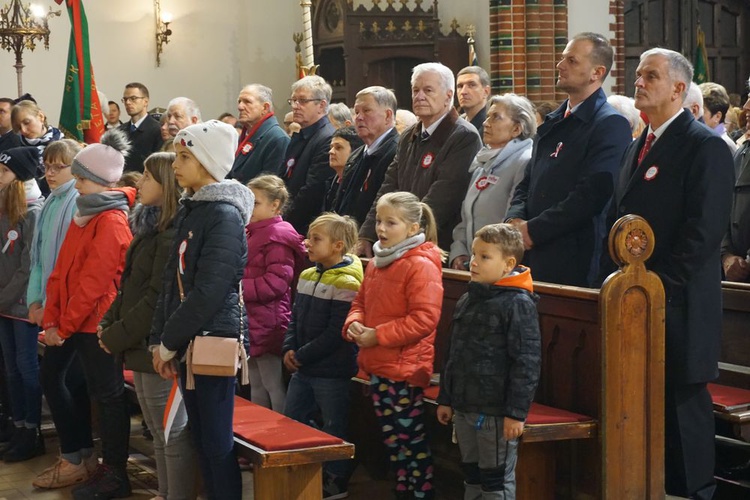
(144, 140)
(306, 172)
(566, 188)
(262, 153)
(683, 188)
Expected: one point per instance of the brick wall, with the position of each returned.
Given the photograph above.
(527, 40)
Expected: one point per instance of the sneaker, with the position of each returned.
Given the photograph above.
(62, 474)
(334, 488)
(106, 482)
(30, 445)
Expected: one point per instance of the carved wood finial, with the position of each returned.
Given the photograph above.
(455, 25)
(631, 240)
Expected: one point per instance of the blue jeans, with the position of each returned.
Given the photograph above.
(19, 341)
(210, 410)
(306, 394)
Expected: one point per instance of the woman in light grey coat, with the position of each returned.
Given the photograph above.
(496, 169)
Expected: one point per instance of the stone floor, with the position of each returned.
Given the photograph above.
(15, 479)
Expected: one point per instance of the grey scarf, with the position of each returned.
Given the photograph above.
(92, 204)
(385, 256)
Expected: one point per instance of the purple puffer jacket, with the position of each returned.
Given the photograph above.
(275, 257)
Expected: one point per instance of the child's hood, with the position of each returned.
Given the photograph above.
(520, 277)
(129, 192)
(228, 191)
(428, 250)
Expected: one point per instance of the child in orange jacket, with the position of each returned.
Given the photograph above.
(80, 289)
(393, 320)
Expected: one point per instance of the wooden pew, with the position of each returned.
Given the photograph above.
(731, 392)
(287, 455)
(602, 356)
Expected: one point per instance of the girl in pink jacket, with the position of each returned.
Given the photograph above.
(275, 256)
(393, 320)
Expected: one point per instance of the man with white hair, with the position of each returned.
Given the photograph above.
(181, 112)
(678, 176)
(694, 101)
(305, 168)
(262, 141)
(433, 156)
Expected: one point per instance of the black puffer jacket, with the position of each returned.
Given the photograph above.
(495, 349)
(127, 323)
(210, 229)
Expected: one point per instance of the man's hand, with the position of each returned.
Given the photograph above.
(512, 429)
(52, 338)
(460, 263)
(521, 225)
(36, 313)
(735, 268)
(364, 249)
(290, 361)
(444, 414)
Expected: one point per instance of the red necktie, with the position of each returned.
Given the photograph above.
(650, 138)
(567, 114)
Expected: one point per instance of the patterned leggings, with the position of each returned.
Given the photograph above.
(399, 408)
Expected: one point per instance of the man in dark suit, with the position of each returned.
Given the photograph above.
(143, 131)
(736, 245)
(560, 204)
(433, 156)
(305, 168)
(678, 176)
(472, 91)
(262, 141)
(375, 118)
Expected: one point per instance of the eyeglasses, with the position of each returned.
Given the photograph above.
(300, 102)
(54, 169)
(131, 98)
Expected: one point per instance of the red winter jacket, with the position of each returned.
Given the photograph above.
(87, 273)
(402, 302)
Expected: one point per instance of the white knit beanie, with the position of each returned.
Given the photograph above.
(213, 143)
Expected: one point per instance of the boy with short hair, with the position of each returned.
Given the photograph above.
(320, 360)
(493, 363)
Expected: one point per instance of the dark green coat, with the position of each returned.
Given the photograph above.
(127, 323)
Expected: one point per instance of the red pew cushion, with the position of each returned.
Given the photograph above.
(271, 431)
(538, 414)
(728, 398)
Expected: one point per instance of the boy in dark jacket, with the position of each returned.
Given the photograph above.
(493, 363)
(320, 360)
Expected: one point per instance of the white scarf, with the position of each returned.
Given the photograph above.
(385, 256)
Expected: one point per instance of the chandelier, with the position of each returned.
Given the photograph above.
(21, 27)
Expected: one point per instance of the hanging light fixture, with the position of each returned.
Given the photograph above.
(21, 27)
